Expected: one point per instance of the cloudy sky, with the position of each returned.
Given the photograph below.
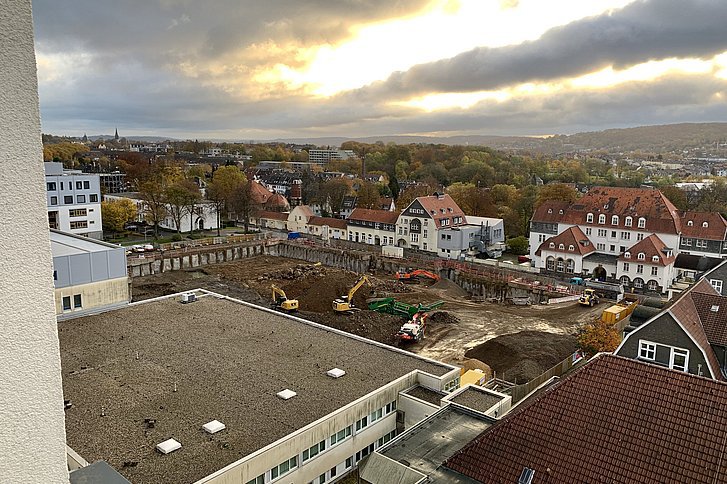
(253, 69)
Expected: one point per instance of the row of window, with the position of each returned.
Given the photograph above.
(638, 283)
(628, 221)
(640, 269)
(614, 234)
(698, 243)
(82, 224)
(559, 265)
(80, 185)
(77, 300)
(68, 199)
(678, 357)
(377, 414)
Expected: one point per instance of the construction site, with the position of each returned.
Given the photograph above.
(419, 311)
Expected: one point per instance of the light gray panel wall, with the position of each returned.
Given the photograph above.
(80, 269)
(99, 266)
(61, 265)
(117, 263)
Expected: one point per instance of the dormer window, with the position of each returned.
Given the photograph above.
(642, 223)
(655, 258)
(552, 245)
(705, 224)
(550, 210)
(627, 255)
(690, 223)
(642, 256)
(629, 221)
(571, 248)
(560, 211)
(602, 219)
(561, 247)
(614, 220)
(589, 218)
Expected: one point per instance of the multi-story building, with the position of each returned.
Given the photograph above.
(158, 372)
(374, 227)
(113, 182)
(324, 156)
(703, 234)
(74, 201)
(481, 235)
(630, 235)
(205, 216)
(420, 223)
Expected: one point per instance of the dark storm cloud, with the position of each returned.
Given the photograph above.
(640, 32)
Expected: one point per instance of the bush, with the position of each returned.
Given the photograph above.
(518, 245)
(599, 336)
(176, 238)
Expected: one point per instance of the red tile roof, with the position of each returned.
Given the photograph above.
(335, 223)
(571, 237)
(660, 214)
(716, 228)
(712, 309)
(272, 215)
(613, 420)
(551, 211)
(651, 246)
(379, 216)
(258, 193)
(277, 201)
(434, 204)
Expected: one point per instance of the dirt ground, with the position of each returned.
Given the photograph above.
(517, 342)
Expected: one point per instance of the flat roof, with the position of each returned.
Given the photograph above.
(426, 394)
(430, 443)
(228, 360)
(477, 399)
(62, 243)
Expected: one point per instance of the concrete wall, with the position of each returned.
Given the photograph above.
(72, 270)
(32, 429)
(110, 292)
(415, 410)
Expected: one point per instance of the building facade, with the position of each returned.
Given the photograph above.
(481, 235)
(373, 227)
(74, 201)
(420, 223)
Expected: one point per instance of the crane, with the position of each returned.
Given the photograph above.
(281, 301)
(344, 304)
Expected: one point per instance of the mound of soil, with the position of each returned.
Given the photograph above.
(442, 317)
(520, 357)
(369, 324)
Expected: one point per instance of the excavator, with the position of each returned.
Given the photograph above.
(413, 276)
(344, 304)
(281, 301)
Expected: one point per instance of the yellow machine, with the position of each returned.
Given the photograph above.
(589, 298)
(281, 301)
(345, 303)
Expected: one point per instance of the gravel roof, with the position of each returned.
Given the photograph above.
(228, 361)
(477, 399)
(426, 394)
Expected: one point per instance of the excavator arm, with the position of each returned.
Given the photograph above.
(277, 292)
(357, 286)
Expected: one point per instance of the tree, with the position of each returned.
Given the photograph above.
(556, 191)
(332, 193)
(472, 200)
(181, 197)
(242, 203)
(676, 196)
(221, 190)
(116, 213)
(599, 336)
(518, 245)
(368, 196)
(410, 194)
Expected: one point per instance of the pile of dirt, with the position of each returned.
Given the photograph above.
(369, 324)
(520, 357)
(294, 273)
(442, 317)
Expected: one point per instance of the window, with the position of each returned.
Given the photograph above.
(679, 359)
(612, 248)
(654, 271)
(716, 284)
(701, 244)
(641, 256)
(705, 224)
(589, 218)
(626, 266)
(349, 462)
(688, 242)
(559, 265)
(78, 212)
(552, 245)
(690, 223)
(376, 415)
(284, 467)
(258, 480)
(614, 220)
(332, 472)
(51, 186)
(86, 185)
(642, 223)
(425, 234)
(364, 452)
(68, 199)
(77, 301)
(640, 269)
(638, 283)
(570, 266)
(62, 185)
(626, 235)
(314, 450)
(561, 247)
(93, 198)
(652, 285)
(362, 423)
(602, 232)
(639, 236)
(613, 234)
(628, 222)
(601, 246)
(655, 258)
(341, 435)
(415, 237)
(79, 185)
(624, 280)
(602, 219)
(66, 303)
(54, 200)
(550, 264)
(79, 225)
(647, 350)
(588, 230)
(571, 248)
(386, 438)
(627, 255)
(451, 385)
(443, 237)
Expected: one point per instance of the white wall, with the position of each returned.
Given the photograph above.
(32, 428)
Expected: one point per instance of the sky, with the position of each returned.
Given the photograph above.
(256, 70)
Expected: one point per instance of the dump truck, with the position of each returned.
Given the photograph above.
(620, 310)
(344, 304)
(281, 301)
(589, 298)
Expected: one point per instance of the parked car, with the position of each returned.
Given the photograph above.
(138, 248)
(148, 247)
(523, 258)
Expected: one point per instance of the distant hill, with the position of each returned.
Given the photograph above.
(500, 142)
(147, 139)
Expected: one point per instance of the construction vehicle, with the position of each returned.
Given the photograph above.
(606, 290)
(621, 310)
(413, 330)
(281, 301)
(398, 308)
(344, 304)
(413, 276)
(589, 298)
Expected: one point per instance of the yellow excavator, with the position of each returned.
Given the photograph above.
(281, 301)
(344, 304)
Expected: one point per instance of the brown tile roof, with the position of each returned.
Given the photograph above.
(716, 228)
(651, 246)
(335, 223)
(571, 237)
(434, 204)
(712, 309)
(660, 214)
(258, 193)
(380, 216)
(613, 420)
(272, 215)
(277, 201)
(551, 211)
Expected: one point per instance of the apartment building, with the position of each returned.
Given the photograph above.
(373, 227)
(324, 156)
(420, 223)
(256, 397)
(74, 201)
(205, 215)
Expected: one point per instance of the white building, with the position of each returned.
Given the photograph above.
(373, 227)
(324, 156)
(298, 218)
(419, 224)
(480, 235)
(74, 201)
(203, 218)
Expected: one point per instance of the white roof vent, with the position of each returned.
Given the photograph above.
(213, 427)
(189, 297)
(335, 373)
(168, 446)
(287, 394)
(714, 309)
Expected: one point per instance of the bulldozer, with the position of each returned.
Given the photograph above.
(281, 301)
(344, 304)
(589, 298)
